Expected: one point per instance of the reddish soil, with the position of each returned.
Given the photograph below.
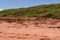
(29, 29)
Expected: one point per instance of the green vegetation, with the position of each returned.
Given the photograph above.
(42, 11)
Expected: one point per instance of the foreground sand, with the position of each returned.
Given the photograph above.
(30, 30)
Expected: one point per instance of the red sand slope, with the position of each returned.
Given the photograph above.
(42, 29)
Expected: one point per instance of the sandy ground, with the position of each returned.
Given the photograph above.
(29, 30)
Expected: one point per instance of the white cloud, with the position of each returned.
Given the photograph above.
(1, 9)
(45, 3)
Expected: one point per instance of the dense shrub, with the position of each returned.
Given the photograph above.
(49, 11)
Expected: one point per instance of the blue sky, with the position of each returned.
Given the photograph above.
(7, 4)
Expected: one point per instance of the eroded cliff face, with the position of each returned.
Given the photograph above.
(32, 22)
(29, 29)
